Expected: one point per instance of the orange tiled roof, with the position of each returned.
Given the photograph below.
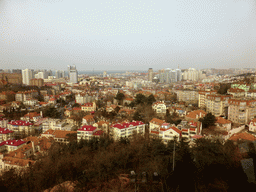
(194, 114)
(221, 120)
(157, 121)
(243, 136)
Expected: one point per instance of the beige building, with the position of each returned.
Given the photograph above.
(217, 104)
(88, 107)
(241, 111)
(236, 92)
(187, 95)
(159, 107)
(202, 97)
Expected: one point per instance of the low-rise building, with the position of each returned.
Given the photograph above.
(11, 145)
(168, 132)
(32, 116)
(252, 125)
(58, 135)
(159, 107)
(3, 122)
(5, 134)
(154, 126)
(223, 123)
(87, 132)
(88, 107)
(195, 115)
(20, 127)
(126, 130)
(88, 120)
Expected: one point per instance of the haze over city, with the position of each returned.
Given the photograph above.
(127, 35)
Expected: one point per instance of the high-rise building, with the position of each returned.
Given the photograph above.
(179, 75)
(150, 74)
(72, 74)
(27, 74)
(57, 74)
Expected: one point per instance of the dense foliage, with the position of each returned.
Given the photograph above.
(208, 166)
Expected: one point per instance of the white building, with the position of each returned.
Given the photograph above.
(72, 74)
(27, 74)
(126, 130)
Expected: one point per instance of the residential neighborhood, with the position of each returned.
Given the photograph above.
(123, 107)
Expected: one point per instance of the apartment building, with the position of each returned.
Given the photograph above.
(241, 111)
(251, 94)
(126, 130)
(88, 107)
(217, 104)
(202, 97)
(3, 122)
(11, 145)
(187, 95)
(154, 127)
(87, 132)
(20, 127)
(56, 124)
(5, 134)
(84, 97)
(159, 107)
(236, 92)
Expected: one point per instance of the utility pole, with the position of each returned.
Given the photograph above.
(173, 155)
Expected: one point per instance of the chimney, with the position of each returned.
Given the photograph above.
(200, 114)
(41, 113)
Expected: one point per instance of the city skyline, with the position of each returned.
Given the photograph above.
(127, 35)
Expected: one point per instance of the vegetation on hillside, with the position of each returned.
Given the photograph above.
(207, 166)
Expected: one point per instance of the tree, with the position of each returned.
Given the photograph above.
(137, 116)
(208, 120)
(140, 99)
(151, 99)
(51, 112)
(119, 97)
(224, 88)
(76, 105)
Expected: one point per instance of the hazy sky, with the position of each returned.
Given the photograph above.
(127, 35)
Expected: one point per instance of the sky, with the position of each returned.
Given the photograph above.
(127, 35)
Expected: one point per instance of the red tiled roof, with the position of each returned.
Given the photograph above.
(20, 123)
(87, 128)
(176, 130)
(13, 142)
(5, 131)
